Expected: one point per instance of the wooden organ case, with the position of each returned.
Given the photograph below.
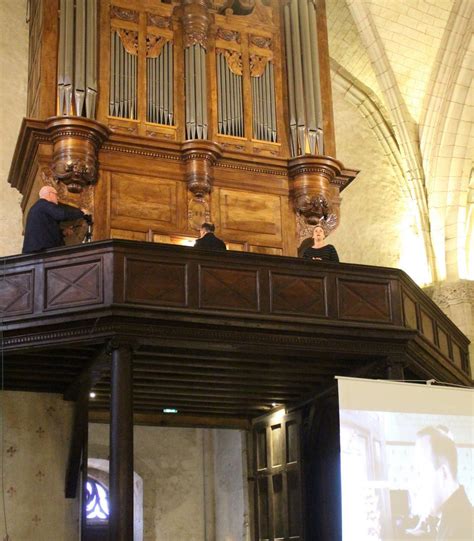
(160, 115)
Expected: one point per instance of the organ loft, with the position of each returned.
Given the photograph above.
(157, 116)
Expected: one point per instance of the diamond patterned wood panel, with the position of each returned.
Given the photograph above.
(167, 285)
(16, 293)
(228, 289)
(363, 301)
(292, 294)
(73, 285)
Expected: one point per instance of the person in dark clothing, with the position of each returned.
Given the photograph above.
(208, 241)
(319, 250)
(42, 229)
(442, 495)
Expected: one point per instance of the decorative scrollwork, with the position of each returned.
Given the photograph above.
(123, 14)
(258, 64)
(129, 39)
(154, 44)
(233, 59)
(261, 41)
(228, 35)
(158, 20)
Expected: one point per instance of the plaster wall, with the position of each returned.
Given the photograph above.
(13, 72)
(193, 483)
(36, 434)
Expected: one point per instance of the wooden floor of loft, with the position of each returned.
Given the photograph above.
(222, 338)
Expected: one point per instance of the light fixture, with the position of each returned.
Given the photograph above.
(170, 410)
(92, 395)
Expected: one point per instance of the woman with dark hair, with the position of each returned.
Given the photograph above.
(320, 251)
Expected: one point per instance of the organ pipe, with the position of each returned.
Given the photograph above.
(229, 96)
(123, 79)
(196, 92)
(264, 108)
(304, 91)
(160, 96)
(77, 58)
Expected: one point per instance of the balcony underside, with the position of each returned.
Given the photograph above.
(224, 337)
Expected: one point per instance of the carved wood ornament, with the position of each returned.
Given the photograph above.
(76, 144)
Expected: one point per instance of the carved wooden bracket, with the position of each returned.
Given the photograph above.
(76, 144)
(315, 191)
(196, 22)
(200, 157)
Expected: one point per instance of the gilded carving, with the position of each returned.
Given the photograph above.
(261, 41)
(198, 213)
(159, 21)
(257, 65)
(196, 20)
(228, 35)
(76, 144)
(233, 60)
(129, 39)
(154, 44)
(123, 14)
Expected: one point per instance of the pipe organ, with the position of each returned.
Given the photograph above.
(165, 114)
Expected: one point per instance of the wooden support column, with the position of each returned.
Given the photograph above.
(121, 444)
(395, 370)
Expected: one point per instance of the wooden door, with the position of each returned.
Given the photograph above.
(278, 482)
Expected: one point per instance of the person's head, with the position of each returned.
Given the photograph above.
(207, 228)
(319, 234)
(438, 466)
(49, 193)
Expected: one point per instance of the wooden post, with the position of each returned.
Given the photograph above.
(121, 445)
(395, 370)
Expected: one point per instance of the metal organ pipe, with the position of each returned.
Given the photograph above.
(77, 64)
(304, 92)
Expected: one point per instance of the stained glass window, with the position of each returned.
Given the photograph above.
(97, 501)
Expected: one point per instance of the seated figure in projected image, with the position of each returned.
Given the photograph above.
(319, 250)
(441, 494)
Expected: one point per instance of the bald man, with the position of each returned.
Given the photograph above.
(42, 229)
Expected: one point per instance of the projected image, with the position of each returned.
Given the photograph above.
(406, 476)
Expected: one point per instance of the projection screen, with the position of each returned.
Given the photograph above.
(407, 457)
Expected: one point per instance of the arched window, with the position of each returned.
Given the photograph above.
(97, 502)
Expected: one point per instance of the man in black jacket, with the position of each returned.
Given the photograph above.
(443, 496)
(208, 241)
(42, 229)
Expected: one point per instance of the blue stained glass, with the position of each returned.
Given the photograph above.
(97, 501)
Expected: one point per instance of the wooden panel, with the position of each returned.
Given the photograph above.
(443, 342)
(409, 312)
(168, 286)
(261, 447)
(17, 293)
(145, 199)
(292, 294)
(127, 235)
(457, 355)
(265, 250)
(427, 326)
(279, 514)
(292, 437)
(73, 285)
(363, 300)
(228, 289)
(250, 214)
(294, 505)
(263, 509)
(277, 445)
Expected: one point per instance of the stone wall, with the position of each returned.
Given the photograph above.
(193, 481)
(13, 72)
(36, 434)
